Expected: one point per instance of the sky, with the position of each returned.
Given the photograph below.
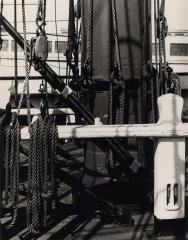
(177, 14)
(31, 10)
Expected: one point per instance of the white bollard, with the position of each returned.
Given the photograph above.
(169, 163)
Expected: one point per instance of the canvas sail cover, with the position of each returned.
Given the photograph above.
(130, 23)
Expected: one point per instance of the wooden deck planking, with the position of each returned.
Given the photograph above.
(94, 228)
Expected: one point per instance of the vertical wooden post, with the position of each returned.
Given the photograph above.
(169, 163)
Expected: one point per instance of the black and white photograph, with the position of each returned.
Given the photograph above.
(93, 119)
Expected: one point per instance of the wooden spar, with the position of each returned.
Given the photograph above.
(71, 98)
(55, 111)
(111, 131)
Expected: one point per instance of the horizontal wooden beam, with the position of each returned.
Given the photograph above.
(52, 111)
(117, 131)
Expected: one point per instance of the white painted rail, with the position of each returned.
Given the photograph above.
(111, 131)
(55, 111)
(169, 125)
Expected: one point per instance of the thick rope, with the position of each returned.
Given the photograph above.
(7, 163)
(1, 11)
(53, 151)
(177, 85)
(87, 66)
(45, 164)
(89, 32)
(35, 183)
(156, 51)
(160, 48)
(163, 44)
(142, 88)
(109, 158)
(152, 117)
(27, 70)
(29, 188)
(115, 33)
(42, 154)
(11, 159)
(118, 101)
(16, 138)
(26, 90)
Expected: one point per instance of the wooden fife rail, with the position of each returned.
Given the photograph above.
(116, 131)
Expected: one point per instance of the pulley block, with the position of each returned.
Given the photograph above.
(41, 47)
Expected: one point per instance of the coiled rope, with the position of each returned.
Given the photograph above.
(12, 154)
(42, 181)
(41, 202)
(12, 158)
